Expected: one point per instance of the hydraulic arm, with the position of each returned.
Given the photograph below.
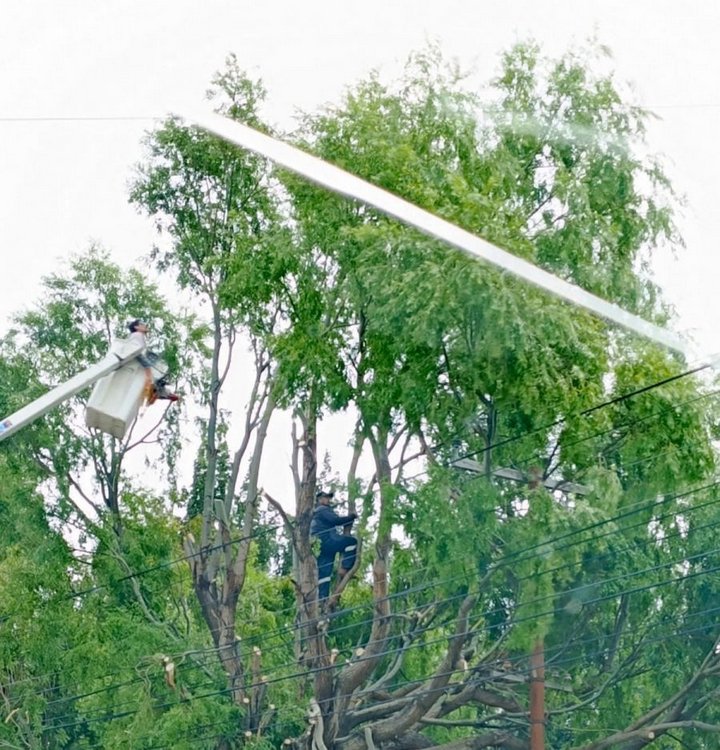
(120, 354)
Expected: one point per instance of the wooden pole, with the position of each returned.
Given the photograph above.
(537, 697)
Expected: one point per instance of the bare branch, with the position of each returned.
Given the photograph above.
(474, 693)
(84, 496)
(396, 438)
(421, 622)
(128, 447)
(356, 673)
(405, 461)
(250, 423)
(649, 733)
(139, 597)
(287, 521)
(239, 565)
(426, 449)
(699, 675)
(358, 442)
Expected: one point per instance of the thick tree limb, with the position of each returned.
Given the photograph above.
(418, 703)
(650, 733)
(490, 739)
(356, 673)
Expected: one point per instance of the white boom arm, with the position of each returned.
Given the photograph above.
(120, 354)
(343, 182)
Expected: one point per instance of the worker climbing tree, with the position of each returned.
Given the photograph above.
(324, 527)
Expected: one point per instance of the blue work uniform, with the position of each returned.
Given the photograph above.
(324, 526)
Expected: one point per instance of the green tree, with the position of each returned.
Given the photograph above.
(72, 327)
(216, 206)
(80, 524)
(440, 355)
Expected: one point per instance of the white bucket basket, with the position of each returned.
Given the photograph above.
(116, 399)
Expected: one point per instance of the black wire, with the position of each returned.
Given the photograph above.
(581, 587)
(528, 670)
(145, 571)
(562, 647)
(515, 621)
(519, 556)
(263, 637)
(513, 557)
(623, 425)
(498, 444)
(425, 678)
(561, 420)
(589, 410)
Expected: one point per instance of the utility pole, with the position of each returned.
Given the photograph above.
(537, 697)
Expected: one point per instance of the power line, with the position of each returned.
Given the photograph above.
(445, 688)
(583, 412)
(419, 681)
(505, 441)
(515, 621)
(570, 660)
(624, 425)
(539, 574)
(522, 555)
(86, 118)
(564, 593)
(444, 639)
(145, 571)
(512, 557)
(597, 407)
(165, 565)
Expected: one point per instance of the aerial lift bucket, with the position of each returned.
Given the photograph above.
(116, 399)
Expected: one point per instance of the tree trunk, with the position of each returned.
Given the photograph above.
(211, 452)
(312, 627)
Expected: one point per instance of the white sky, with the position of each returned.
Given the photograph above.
(64, 183)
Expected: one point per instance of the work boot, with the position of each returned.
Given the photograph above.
(162, 392)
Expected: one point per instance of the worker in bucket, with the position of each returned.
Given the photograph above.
(155, 387)
(324, 527)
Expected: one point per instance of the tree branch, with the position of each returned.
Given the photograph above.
(649, 733)
(128, 447)
(287, 521)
